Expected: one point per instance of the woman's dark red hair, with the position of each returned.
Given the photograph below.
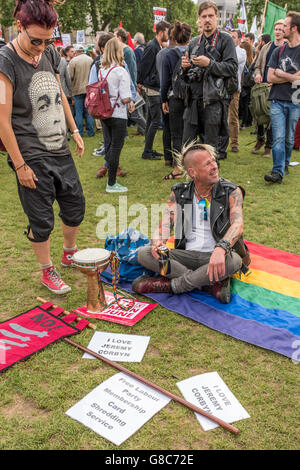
(38, 12)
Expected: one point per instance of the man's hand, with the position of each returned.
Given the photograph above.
(201, 61)
(26, 177)
(165, 108)
(79, 144)
(185, 61)
(216, 266)
(258, 78)
(131, 107)
(156, 244)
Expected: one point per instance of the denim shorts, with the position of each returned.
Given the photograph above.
(57, 180)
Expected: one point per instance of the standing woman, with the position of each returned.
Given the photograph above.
(118, 79)
(33, 128)
(171, 103)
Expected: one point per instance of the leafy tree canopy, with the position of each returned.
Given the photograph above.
(136, 15)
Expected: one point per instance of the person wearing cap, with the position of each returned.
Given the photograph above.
(79, 70)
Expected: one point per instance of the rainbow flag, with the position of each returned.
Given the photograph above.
(265, 304)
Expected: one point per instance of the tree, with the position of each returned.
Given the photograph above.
(6, 12)
(136, 15)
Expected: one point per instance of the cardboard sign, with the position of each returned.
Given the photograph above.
(118, 347)
(66, 39)
(28, 333)
(211, 394)
(115, 314)
(80, 37)
(159, 15)
(118, 407)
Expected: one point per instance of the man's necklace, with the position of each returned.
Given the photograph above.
(35, 63)
(200, 196)
(203, 204)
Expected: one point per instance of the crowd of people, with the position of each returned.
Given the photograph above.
(192, 88)
(197, 89)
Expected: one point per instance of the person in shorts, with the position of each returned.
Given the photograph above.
(35, 116)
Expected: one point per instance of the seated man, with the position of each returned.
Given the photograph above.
(209, 247)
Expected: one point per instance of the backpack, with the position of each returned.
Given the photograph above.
(259, 105)
(248, 76)
(97, 99)
(179, 86)
(126, 245)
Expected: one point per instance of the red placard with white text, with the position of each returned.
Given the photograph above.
(28, 333)
(116, 314)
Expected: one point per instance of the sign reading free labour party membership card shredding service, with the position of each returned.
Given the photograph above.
(118, 407)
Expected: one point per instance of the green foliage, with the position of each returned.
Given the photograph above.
(256, 8)
(6, 12)
(136, 15)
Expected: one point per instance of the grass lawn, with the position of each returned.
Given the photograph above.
(35, 394)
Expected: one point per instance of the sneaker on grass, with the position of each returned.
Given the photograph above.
(116, 188)
(67, 258)
(52, 280)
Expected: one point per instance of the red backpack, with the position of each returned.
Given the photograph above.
(97, 98)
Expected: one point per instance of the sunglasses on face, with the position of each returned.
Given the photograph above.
(38, 42)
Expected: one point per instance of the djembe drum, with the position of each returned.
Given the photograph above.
(92, 262)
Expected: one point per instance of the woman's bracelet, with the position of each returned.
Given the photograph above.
(76, 131)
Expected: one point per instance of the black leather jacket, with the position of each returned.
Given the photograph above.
(219, 215)
(220, 77)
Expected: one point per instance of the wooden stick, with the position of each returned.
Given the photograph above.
(264, 18)
(180, 400)
(90, 325)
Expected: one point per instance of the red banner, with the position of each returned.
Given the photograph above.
(28, 333)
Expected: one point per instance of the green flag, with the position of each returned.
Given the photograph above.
(273, 14)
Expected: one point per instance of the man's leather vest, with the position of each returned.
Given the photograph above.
(219, 214)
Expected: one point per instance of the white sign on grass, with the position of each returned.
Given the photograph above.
(118, 407)
(118, 347)
(211, 394)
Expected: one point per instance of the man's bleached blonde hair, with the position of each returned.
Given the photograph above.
(193, 147)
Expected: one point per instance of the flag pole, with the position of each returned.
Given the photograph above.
(264, 17)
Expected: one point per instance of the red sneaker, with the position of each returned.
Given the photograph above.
(66, 259)
(52, 280)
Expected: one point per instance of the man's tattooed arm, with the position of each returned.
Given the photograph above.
(236, 229)
(167, 222)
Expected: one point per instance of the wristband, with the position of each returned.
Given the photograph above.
(76, 131)
(21, 166)
(225, 245)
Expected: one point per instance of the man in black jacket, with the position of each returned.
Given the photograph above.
(149, 79)
(207, 214)
(210, 67)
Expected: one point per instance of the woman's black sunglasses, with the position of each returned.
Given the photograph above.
(38, 42)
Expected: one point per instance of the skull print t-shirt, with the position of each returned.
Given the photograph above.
(287, 59)
(38, 118)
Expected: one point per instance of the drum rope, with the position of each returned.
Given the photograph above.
(115, 267)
